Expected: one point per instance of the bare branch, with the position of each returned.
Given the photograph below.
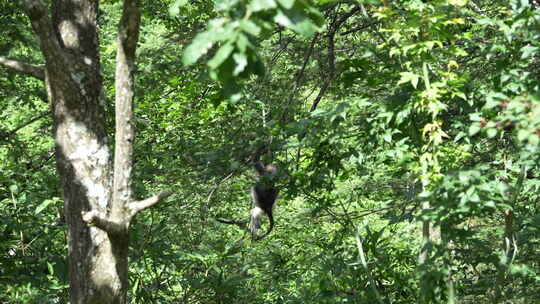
(27, 123)
(217, 186)
(135, 207)
(7, 134)
(359, 28)
(41, 23)
(362, 258)
(101, 221)
(128, 35)
(23, 68)
(334, 27)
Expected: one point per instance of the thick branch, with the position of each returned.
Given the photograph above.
(41, 23)
(23, 68)
(128, 35)
(103, 222)
(138, 206)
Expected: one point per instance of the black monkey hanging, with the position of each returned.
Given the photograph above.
(264, 194)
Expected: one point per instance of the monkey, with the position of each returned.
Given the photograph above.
(263, 195)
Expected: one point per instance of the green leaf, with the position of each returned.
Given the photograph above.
(199, 47)
(220, 29)
(259, 5)
(522, 135)
(42, 206)
(250, 27)
(409, 77)
(474, 129)
(174, 9)
(458, 2)
(50, 267)
(491, 132)
(14, 189)
(283, 19)
(288, 4)
(242, 42)
(297, 20)
(241, 63)
(387, 137)
(528, 51)
(221, 55)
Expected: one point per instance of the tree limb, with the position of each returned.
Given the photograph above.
(27, 123)
(137, 206)
(103, 222)
(23, 68)
(128, 35)
(42, 26)
(359, 28)
(217, 186)
(334, 27)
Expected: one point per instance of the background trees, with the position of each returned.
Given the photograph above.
(408, 132)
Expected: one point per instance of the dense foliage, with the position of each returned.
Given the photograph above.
(408, 134)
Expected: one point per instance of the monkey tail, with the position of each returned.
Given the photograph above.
(240, 224)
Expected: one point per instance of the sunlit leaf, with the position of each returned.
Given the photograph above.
(474, 129)
(174, 9)
(409, 77)
(458, 3)
(241, 63)
(259, 5)
(221, 55)
(287, 4)
(198, 47)
(250, 27)
(43, 205)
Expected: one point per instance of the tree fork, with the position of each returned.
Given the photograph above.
(98, 208)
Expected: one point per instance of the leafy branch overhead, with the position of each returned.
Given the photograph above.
(232, 38)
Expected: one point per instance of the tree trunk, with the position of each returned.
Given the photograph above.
(69, 44)
(98, 207)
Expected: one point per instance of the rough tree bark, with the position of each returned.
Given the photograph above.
(98, 206)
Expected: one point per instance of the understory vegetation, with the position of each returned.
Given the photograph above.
(406, 133)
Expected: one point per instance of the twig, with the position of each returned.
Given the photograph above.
(362, 258)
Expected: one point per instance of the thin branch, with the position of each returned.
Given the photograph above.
(137, 206)
(359, 28)
(363, 261)
(25, 124)
(301, 72)
(6, 135)
(23, 68)
(217, 186)
(334, 27)
(43, 161)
